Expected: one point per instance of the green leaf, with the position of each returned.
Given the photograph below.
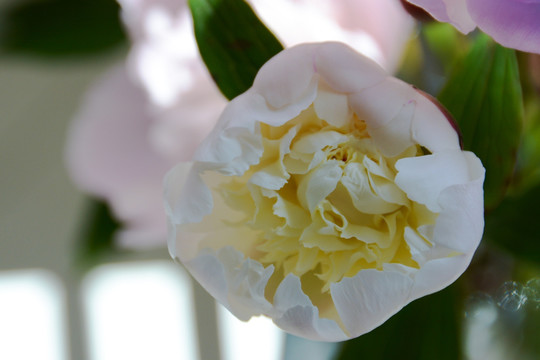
(426, 329)
(484, 95)
(513, 225)
(233, 42)
(97, 235)
(528, 163)
(445, 42)
(58, 28)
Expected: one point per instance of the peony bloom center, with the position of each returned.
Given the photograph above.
(323, 204)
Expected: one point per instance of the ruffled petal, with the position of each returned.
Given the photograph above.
(296, 313)
(424, 178)
(319, 184)
(235, 282)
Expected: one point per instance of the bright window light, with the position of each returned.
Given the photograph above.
(32, 322)
(300, 348)
(140, 311)
(257, 339)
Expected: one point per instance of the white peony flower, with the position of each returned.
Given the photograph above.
(327, 197)
(146, 115)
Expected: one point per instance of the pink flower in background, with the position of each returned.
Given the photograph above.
(378, 29)
(328, 196)
(151, 112)
(512, 23)
(119, 147)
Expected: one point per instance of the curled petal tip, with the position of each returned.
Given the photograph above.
(445, 112)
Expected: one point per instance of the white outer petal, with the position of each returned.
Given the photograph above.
(188, 198)
(290, 76)
(369, 298)
(430, 126)
(437, 274)
(344, 70)
(235, 282)
(278, 84)
(294, 312)
(397, 116)
(173, 185)
(461, 204)
(423, 178)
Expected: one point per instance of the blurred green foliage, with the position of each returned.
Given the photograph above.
(445, 42)
(97, 235)
(426, 329)
(528, 162)
(484, 95)
(514, 226)
(60, 28)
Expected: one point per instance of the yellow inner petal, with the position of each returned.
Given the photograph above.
(323, 204)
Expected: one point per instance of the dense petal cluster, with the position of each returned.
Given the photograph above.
(512, 23)
(327, 197)
(152, 111)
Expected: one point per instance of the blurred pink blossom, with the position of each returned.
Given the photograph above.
(149, 113)
(512, 23)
